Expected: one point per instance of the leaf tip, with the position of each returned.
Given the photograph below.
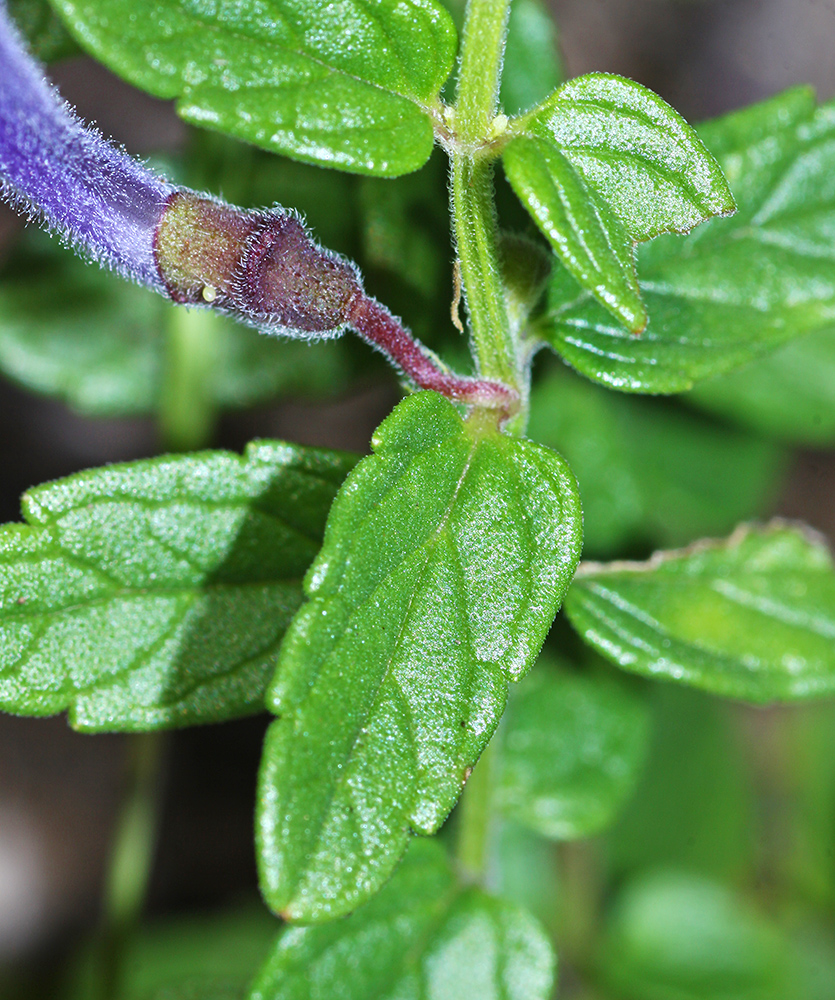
(633, 315)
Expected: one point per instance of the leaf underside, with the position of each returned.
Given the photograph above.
(342, 84)
(445, 560)
(155, 594)
(750, 618)
(736, 288)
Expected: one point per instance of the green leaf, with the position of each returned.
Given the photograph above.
(532, 66)
(445, 560)
(58, 337)
(198, 991)
(752, 617)
(589, 239)
(45, 34)
(155, 594)
(650, 472)
(422, 936)
(603, 164)
(677, 937)
(788, 395)
(574, 744)
(695, 807)
(735, 289)
(206, 957)
(346, 84)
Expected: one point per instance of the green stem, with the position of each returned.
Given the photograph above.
(187, 411)
(482, 52)
(473, 205)
(131, 857)
(475, 823)
(476, 234)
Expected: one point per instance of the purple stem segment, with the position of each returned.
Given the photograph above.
(262, 267)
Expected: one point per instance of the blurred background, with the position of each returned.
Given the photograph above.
(733, 800)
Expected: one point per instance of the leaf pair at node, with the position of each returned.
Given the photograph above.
(604, 164)
(735, 288)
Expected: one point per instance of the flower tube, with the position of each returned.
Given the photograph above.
(259, 266)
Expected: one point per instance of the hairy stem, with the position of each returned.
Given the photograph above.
(482, 52)
(376, 325)
(473, 207)
(476, 234)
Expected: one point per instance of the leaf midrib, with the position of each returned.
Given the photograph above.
(429, 545)
(733, 671)
(142, 653)
(707, 247)
(223, 30)
(724, 587)
(146, 592)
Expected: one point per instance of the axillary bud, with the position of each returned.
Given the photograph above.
(261, 266)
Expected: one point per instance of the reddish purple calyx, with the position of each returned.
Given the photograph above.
(264, 268)
(261, 266)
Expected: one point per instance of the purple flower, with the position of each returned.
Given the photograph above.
(53, 166)
(262, 267)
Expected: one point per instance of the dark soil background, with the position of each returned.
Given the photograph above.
(59, 790)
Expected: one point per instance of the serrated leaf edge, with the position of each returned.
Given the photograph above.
(743, 531)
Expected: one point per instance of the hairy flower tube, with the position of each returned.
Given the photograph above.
(261, 266)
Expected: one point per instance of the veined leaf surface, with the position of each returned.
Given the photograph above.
(752, 617)
(155, 594)
(603, 164)
(735, 288)
(345, 84)
(446, 558)
(424, 935)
